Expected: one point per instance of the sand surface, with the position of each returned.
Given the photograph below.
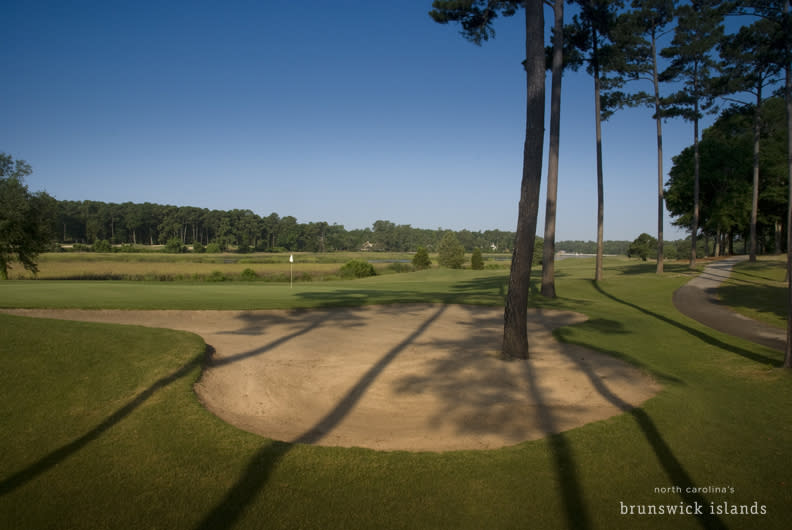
(397, 377)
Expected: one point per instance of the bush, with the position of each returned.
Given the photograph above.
(174, 246)
(102, 245)
(451, 252)
(421, 259)
(249, 275)
(642, 247)
(198, 247)
(213, 248)
(357, 269)
(127, 248)
(476, 261)
(216, 276)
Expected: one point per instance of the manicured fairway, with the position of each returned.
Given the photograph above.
(101, 428)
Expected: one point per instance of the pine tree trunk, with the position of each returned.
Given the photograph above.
(548, 255)
(788, 97)
(515, 325)
(659, 122)
(755, 196)
(600, 187)
(694, 229)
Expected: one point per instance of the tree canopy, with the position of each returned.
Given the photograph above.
(25, 218)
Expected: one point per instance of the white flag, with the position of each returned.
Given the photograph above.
(291, 258)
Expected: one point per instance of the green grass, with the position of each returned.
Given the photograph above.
(102, 430)
(273, 267)
(758, 290)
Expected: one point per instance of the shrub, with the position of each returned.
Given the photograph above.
(198, 247)
(451, 252)
(102, 245)
(127, 248)
(642, 247)
(174, 246)
(249, 275)
(421, 259)
(476, 261)
(213, 248)
(216, 276)
(357, 269)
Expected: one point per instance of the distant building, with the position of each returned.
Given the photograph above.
(367, 246)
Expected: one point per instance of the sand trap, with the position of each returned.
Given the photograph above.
(398, 377)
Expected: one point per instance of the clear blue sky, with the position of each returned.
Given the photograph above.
(347, 112)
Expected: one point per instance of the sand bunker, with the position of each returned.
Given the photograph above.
(397, 377)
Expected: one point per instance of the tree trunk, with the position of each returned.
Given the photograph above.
(600, 188)
(788, 98)
(755, 197)
(694, 229)
(659, 121)
(777, 237)
(515, 325)
(548, 255)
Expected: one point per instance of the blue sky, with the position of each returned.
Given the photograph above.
(347, 112)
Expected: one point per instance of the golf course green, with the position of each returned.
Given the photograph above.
(102, 429)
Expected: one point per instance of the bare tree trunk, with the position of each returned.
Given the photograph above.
(777, 237)
(515, 321)
(788, 97)
(659, 121)
(755, 197)
(600, 188)
(694, 229)
(548, 255)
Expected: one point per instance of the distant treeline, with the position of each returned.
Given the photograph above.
(89, 222)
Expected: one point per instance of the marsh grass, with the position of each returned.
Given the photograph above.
(102, 429)
(267, 267)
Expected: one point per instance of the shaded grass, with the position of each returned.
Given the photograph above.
(140, 452)
(758, 290)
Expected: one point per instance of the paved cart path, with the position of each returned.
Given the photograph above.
(699, 300)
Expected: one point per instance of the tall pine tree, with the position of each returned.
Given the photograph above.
(476, 17)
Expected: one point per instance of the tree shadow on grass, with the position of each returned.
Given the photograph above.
(705, 337)
(305, 321)
(673, 468)
(256, 474)
(762, 298)
(55, 457)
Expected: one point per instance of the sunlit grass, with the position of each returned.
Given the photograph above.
(102, 429)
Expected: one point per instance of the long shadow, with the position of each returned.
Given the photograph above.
(254, 478)
(564, 460)
(665, 455)
(55, 457)
(255, 324)
(486, 390)
(47, 462)
(758, 302)
(694, 332)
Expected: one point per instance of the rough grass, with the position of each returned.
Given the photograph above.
(271, 267)
(102, 430)
(758, 290)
